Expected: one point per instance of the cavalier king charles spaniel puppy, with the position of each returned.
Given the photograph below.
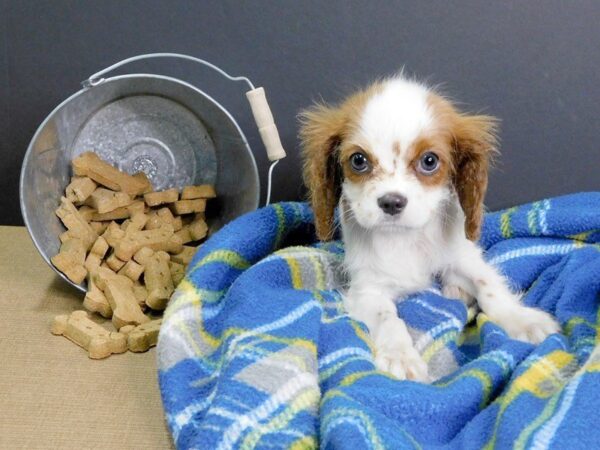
(409, 172)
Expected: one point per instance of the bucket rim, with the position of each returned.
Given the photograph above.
(52, 113)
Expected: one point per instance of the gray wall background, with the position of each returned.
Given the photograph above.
(534, 64)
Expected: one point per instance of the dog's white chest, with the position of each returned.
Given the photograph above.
(402, 266)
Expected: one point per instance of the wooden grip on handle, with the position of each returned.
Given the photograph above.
(266, 125)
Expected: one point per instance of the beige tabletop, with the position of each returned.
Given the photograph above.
(51, 394)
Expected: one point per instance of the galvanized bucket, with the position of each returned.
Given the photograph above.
(174, 132)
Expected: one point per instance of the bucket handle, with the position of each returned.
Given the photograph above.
(256, 97)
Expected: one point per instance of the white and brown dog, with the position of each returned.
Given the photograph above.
(409, 173)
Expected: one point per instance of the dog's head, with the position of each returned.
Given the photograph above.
(395, 152)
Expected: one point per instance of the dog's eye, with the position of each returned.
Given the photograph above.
(359, 163)
(429, 163)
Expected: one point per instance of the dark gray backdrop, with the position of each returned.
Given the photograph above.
(534, 64)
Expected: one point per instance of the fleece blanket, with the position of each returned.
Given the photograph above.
(256, 350)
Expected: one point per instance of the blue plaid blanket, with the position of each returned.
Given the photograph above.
(257, 351)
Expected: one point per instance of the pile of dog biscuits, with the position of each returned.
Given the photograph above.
(131, 245)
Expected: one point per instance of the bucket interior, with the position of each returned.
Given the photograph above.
(166, 128)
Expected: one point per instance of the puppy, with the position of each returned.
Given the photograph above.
(409, 172)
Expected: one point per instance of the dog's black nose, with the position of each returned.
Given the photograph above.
(392, 204)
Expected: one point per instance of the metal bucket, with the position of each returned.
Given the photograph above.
(169, 129)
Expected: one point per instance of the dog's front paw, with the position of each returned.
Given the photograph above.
(527, 324)
(405, 364)
(395, 353)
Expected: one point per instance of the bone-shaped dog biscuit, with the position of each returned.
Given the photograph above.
(99, 227)
(126, 310)
(198, 229)
(161, 197)
(142, 255)
(185, 256)
(136, 222)
(79, 189)
(97, 252)
(87, 212)
(142, 337)
(201, 191)
(90, 165)
(75, 223)
(113, 234)
(114, 262)
(188, 206)
(70, 260)
(166, 216)
(103, 274)
(185, 234)
(158, 239)
(157, 277)
(163, 216)
(177, 272)
(132, 270)
(95, 300)
(141, 294)
(123, 212)
(86, 333)
(104, 200)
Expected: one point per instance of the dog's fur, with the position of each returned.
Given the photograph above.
(393, 123)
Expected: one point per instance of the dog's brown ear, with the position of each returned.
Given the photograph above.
(475, 145)
(320, 134)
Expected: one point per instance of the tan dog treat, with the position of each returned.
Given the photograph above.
(100, 247)
(135, 223)
(113, 234)
(99, 227)
(102, 274)
(79, 189)
(97, 252)
(144, 181)
(137, 207)
(114, 262)
(126, 310)
(115, 214)
(163, 216)
(104, 200)
(198, 229)
(144, 336)
(142, 255)
(95, 300)
(66, 236)
(127, 329)
(185, 234)
(188, 206)
(79, 328)
(86, 212)
(159, 239)
(70, 260)
(201, 191)
(90, 165)
(162, 197)
(157, 277)
(132, 270)
(153, 221)
(185, 256)
(92, 261)
(141, 294)
(75, 223)
(177, 272)
(167, 217)
(177, 223)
